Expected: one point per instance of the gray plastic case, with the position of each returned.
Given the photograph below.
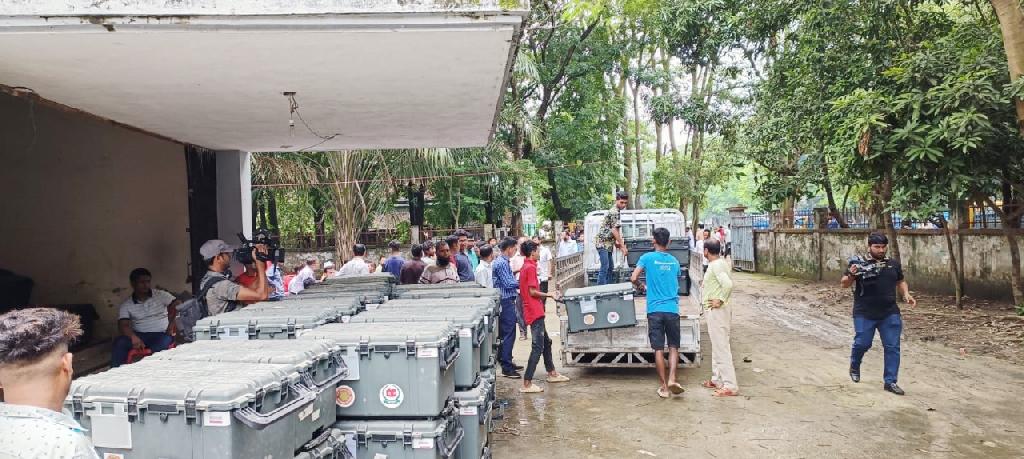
(600, 307)
(341, 308)
(470, 324)
(404, 439)
(197, 410)
(321, 365)
(488, 350)
(394, 371)
(475, 413)
(261, 324)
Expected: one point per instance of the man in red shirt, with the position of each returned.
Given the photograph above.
(533, 315)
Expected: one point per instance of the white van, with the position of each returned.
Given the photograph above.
(635, 223)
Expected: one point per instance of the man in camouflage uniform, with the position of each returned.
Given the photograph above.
(609, 237)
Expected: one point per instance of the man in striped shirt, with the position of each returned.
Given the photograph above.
(505, 281)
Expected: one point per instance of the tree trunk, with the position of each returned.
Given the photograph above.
(890, 229)
(319, 230)
(1015, 285)
(696, 216)
(561, 212)
(788, 205)
(1011, 23)
(638, 199)
(272, 212)
(667, 89)
(657, 144)
(262, 211)
(827, 184)
(1014, 247)
(954, 266)
(516, 223)
(627, 146)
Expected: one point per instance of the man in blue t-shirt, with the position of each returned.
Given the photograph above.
(394, 263)
(662, 285)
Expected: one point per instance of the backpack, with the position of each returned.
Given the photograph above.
(197, 309)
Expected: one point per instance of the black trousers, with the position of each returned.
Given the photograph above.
(541, 346)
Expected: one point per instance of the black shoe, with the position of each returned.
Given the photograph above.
(518, 367)
(855, 374)
(513, 374)
(892, 387)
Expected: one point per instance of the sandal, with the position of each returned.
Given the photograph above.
(725, 393)
(676, 388)
(663, 393)
(708, 384)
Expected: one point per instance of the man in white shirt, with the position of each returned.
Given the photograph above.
(544, 265)
(566, 246)
(704, 235)
(429, 253)
(305, 277)
(357, 266)
(483, 274)
(35, 372)
(146, 319)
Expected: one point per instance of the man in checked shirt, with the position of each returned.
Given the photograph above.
(505, 281)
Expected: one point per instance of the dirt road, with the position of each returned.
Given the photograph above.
(796, 398)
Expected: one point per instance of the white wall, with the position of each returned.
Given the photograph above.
(84, 202)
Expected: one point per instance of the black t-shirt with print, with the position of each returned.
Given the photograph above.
(876, 298)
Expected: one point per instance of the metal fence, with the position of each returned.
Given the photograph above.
(569, 272)
(975, 217)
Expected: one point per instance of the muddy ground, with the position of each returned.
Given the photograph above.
(796, 397)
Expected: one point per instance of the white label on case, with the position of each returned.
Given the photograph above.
(465, 333)
(316, 415)
(427, 352)
(423, 443)
(487, 320)
(627, 297)
(468, 411)
(588, 306)
(380, 456)
(345, 319)
(216, 419)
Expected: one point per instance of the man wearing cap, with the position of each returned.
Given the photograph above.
(217, 290)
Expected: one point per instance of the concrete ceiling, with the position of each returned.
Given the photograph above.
(398, 80)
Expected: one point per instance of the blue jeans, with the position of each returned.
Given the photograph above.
(889, 329)
(155, 341)
(604, 276)
(507, 331)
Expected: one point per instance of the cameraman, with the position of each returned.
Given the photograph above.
(877, 280)
(217, 290)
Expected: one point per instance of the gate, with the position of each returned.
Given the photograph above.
(743, 242)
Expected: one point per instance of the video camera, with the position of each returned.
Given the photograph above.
(868, 268)
(244, 253)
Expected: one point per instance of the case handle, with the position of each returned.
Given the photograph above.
(256, 420)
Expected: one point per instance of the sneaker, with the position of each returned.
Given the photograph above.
(518, 367)
(558, 378)
(531, 389)
(855, 374)
(513, 374)
(522, 338)
(892, 387)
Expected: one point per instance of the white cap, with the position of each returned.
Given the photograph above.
(328, 264)
(214, 247)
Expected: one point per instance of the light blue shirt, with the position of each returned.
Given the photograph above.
(29, 432)
(662, 272)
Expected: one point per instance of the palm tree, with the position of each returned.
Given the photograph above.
(361, 183)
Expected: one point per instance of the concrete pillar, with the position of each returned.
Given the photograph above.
(234, 195)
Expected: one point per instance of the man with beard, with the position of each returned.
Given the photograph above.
(878, 278)
(442, 272)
